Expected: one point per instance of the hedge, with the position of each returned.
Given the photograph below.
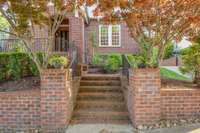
(16, 65)
(109, 62)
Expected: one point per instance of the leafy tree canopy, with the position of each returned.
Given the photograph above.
(25, 16)
(3, 23)
(169, 50)
(156, 21)
(191, 60)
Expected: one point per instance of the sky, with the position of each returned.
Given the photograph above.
(184, 44)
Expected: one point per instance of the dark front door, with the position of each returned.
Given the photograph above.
(62, 40)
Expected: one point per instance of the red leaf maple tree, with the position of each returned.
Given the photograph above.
(156, 21)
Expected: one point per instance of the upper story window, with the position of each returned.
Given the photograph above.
(109, 35)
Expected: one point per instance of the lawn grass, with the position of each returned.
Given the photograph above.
(166, 73)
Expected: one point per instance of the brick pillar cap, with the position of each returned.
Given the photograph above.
(55, 70)
(145, 69)
(133, 71)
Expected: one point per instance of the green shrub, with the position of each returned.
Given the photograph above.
(58, 61)
(97, 60)
(136, 61)
(109, 62)
(191, 61)
(143, 61)
(169, 49)
(112, 64)
(15, 65)
(18, 47)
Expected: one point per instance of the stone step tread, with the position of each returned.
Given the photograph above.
(102, 75)
(106, 94)
(101, 102)
(102, 108)
(100, 94)
(99, 90)
(118, 106)
(99, 98)
(100, 113)
(100, 83)
(99, 121)
(100, 78)
(100, 87)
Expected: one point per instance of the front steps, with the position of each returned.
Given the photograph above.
(100, 101)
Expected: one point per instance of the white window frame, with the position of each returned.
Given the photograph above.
(110, 36)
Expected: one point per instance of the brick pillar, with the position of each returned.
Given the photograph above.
(76, 35)
(144, 96)
(55, 100)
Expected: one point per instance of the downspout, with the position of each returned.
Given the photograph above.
(83, 38)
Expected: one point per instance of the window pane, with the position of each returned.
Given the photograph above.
(115, 35)
(104, 35)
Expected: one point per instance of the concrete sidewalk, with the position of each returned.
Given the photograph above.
(194, 128)
(105, 128)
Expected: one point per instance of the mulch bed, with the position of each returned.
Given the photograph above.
(26, 83)
(29, 83)
(177, 84)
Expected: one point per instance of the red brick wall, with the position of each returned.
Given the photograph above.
(19, 111)
(56, 100)
(49, 108)
(76, 34)
(180, 104)
(144, 96)
(148, 103)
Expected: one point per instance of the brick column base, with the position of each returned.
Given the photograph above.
(144, 96)
(55, 103)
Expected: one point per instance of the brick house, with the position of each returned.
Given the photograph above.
(89, 38)
(108, 38)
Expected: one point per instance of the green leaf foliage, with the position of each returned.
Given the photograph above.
(148, 56)
(3, 23)
(109, 62)
(169, 49)
(143, 61)
(191, 60)
(16, 65)
(58, 61)
(113, 63)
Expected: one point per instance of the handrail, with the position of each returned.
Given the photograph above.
(126, 65)
(74, 61)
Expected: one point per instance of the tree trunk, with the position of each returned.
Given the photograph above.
(197, 78)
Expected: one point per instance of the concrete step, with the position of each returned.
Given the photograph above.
(100, 100)
(101, 77)
(109, 115)
(101, 96)
(104, 117)
(102, 105)
(99, 121)
(95, 70)
(100, 83)
(100, 89)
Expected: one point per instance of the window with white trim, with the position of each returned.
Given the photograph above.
(109, 35)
